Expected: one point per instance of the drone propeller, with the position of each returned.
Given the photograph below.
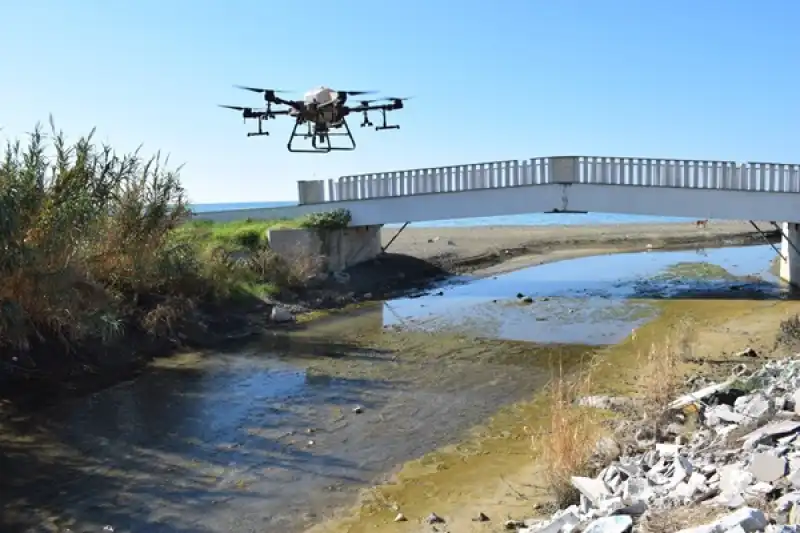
(237, 108)
(384, 99)
(260, 90)
(355, 93)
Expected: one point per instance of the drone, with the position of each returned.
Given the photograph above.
(323, 111)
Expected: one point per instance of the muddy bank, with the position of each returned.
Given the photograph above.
(469, 249)
(420, 256)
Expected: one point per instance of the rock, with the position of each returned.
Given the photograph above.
(400, 518)
(767, 467)
(594, 489)
(281, 314)
(433, 518)
(694, 397)
(358, 409)
(564, 520)
(527, 300)
(753, 406)
(747, 352)
(749, 519)
(610, 524)
(481, 518)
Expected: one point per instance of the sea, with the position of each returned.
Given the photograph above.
(533, 219)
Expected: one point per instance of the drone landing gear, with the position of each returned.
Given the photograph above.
(385, 126)
(260, 130)
(321, 140)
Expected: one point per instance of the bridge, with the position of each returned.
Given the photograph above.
(564, 184)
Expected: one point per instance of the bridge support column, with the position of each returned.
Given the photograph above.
(338, 249)
(790, 253)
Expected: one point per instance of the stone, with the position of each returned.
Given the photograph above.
(753, 406)
(565, 520)
(281, 314)
(747, 352)
(767, 467)
(734, 480)
(358, 409)
(400, 518)
(748, 518)
(594, 489)
(773, 429)
(481, 518)
(722, 413)
(694, 397)
(610, 524)
(433, 518)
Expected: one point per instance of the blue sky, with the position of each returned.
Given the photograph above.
(508, 79)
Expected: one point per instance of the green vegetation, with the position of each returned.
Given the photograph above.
(98, 244)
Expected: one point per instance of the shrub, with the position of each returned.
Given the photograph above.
(336, 219)
(88, 240)
(249, 238)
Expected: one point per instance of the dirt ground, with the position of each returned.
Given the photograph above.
(506, 248)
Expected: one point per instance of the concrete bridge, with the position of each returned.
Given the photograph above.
(660, 187)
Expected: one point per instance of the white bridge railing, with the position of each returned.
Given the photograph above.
(636, 172)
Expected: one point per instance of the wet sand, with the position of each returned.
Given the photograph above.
(506, 248)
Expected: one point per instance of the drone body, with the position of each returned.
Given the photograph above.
(323, 111)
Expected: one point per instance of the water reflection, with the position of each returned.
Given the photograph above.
(589, 300)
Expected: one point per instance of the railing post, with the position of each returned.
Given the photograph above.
(311, 192)
(564, 169)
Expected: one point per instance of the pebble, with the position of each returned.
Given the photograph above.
(400, 518)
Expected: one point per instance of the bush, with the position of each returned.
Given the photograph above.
(249, 238)
(88, 243)
(336, 219)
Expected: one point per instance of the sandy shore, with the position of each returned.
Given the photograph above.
(505, 248)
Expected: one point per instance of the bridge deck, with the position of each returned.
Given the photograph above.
(667, 187)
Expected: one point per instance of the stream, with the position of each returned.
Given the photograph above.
(278, 436)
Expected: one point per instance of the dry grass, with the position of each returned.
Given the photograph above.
(672, 520)
(567, 445)
(662, 371)
(94, 243)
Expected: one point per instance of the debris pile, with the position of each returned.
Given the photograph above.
(740, 465)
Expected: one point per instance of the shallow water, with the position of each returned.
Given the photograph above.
(591, 300)
(268, 440)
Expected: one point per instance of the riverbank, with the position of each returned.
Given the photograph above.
(496, 470)
(472, 249)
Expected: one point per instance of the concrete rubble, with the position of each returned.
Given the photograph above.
(740, 465)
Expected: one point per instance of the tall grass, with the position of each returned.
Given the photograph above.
(89, 245)
(567, 444)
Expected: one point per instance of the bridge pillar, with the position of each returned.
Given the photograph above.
(790, 253)
(310, 192)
